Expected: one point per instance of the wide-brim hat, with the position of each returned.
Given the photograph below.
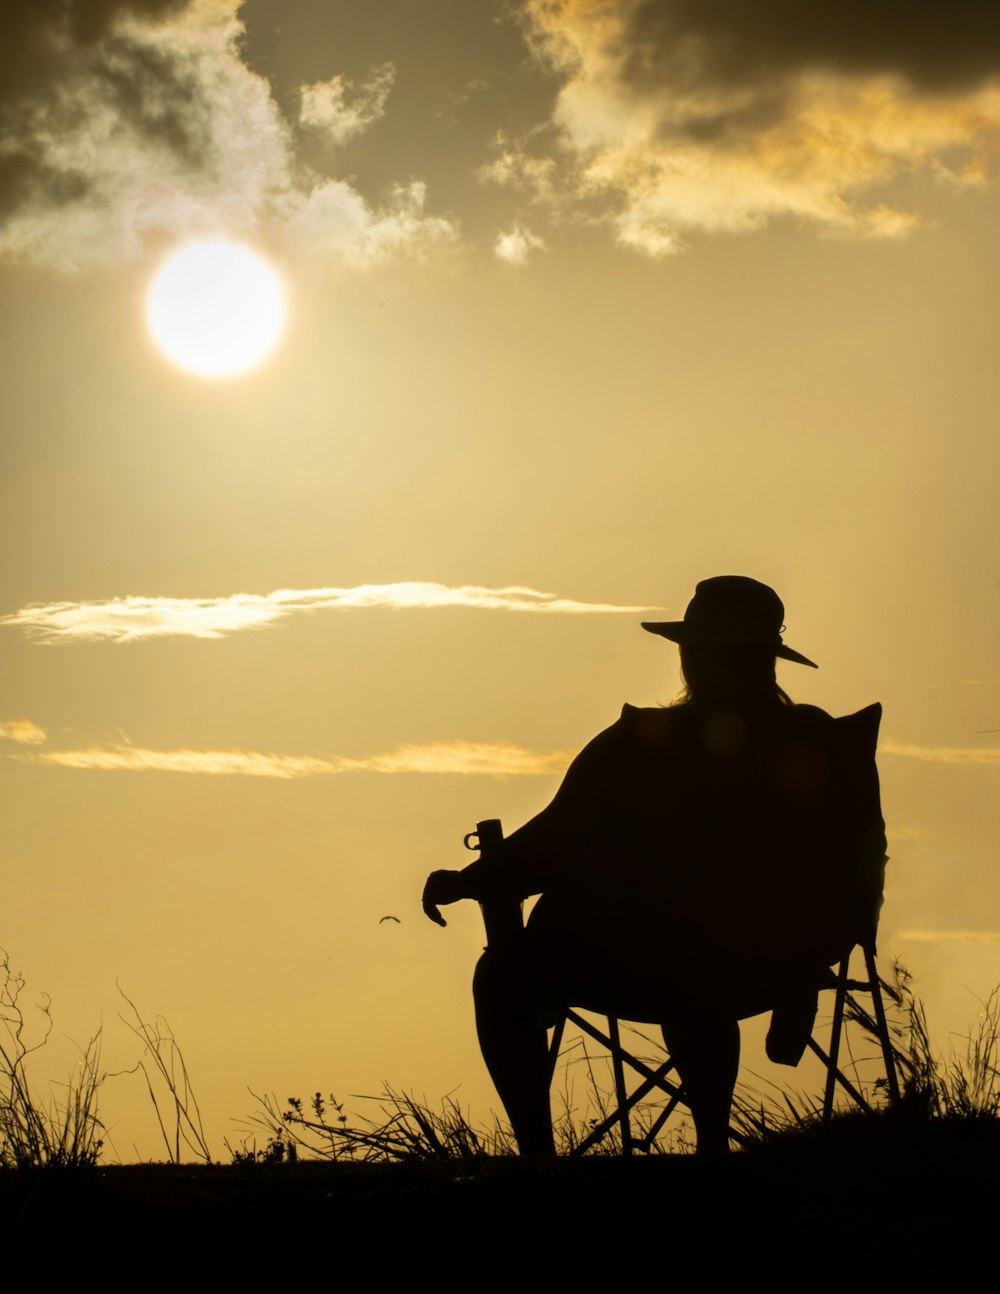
(732, 610)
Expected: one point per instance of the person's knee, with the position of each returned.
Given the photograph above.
(486, 976)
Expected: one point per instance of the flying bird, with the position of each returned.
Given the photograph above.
(390, 918)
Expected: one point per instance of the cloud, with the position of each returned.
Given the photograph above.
(470, 759)
(717, 116)
(517, 169)
(336, 223)
(130, 619)
(951, 936)
(127, 123)
(515, 246)
(930, 48)
(449, 759)
(940, 754)
(23, 731)
(329, 108)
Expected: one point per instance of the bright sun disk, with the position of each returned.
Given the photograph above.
(215, 308)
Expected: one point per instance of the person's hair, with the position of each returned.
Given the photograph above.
(737, 675)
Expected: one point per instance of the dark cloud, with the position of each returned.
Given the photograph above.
(153, 91)
(24, 180)
(88, 88)
(936, 47)
(125, 122)
(49, 46)
(723, 115)
(90, 19)
(39, 37)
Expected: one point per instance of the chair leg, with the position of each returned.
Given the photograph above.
(624, 1122)
(838, 1022)
(883, 1027)
(650, 1079)
(554, 1045)
(873, 985)
(839, 1077)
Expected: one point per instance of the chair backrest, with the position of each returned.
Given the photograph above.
(828, 802)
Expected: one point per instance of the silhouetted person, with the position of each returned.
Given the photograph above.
(700, 863)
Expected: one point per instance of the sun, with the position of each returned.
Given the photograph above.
(215, 308)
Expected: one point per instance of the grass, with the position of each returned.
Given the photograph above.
(177, 1112)
(962, 1085)
(965, 1082)
(399, 1128)
(65, 1130)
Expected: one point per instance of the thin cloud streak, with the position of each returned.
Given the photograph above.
(23, 731)
(130, 619)
(941, 754)
(951, 936)
(450, 759)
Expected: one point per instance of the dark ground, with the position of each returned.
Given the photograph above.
(907, 1201)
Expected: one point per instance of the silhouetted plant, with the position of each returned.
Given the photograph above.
(277, 1150)
(403, 1129)
(178, 1115)
(64, 1131)
(965, 1084)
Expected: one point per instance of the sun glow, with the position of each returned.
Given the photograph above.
(215, 308)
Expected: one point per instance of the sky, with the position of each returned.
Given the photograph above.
(587, 300)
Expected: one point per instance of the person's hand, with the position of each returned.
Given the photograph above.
(441, 888)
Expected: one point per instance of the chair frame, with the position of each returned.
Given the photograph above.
(656, 1079)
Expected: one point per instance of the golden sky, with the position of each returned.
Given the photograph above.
(586, 301)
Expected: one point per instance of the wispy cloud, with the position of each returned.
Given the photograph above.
(941, 754)
(23, 731)
(129, 619)
(514, 168)
(338, 112)
(516, 245)
(449, 759)
(951, 936)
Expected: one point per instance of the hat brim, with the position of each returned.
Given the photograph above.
(680, 632)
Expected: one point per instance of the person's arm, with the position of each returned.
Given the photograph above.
(444, 887)
(546, 845)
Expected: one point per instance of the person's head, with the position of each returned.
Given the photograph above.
(730, 639)
(737, 676)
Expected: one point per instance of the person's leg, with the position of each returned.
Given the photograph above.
(705, 1047)
(514, 1044)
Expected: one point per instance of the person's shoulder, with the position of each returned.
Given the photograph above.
(642, 726)
(653, 726)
